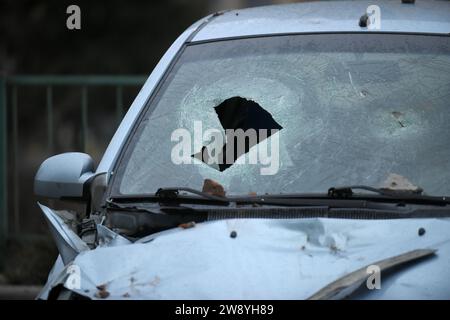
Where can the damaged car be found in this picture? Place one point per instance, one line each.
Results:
(293, 151)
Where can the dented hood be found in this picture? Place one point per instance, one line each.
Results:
(266, 259)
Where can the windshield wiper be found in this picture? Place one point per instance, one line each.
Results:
(173, 193)
(409, 196)
(167, 196)
(337, 197)
(348, 191)
(170, 196)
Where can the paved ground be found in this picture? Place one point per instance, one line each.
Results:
(11, 292)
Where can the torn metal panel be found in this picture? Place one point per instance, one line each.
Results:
(347, 284)
(67, 241)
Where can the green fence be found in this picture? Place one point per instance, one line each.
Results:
(9, 98)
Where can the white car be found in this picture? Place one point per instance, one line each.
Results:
(337, 192)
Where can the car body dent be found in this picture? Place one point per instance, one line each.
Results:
(268, 259)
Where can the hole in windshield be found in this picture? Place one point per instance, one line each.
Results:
(243, 120)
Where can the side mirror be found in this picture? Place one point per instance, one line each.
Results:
(64, 176)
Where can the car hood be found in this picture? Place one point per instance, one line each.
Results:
(263, 259)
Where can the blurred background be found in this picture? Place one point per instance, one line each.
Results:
(66, 90)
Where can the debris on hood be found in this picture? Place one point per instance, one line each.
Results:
(396, 182)
(156, 281)
(214, 188)
(187, 225)
(102, 292)
(254, 194)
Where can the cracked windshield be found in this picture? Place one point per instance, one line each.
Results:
(297, 113)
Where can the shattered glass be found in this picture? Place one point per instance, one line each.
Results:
(354, 109)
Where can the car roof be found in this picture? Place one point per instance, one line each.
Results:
(426, 16)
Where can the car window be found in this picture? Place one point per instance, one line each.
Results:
(345, 109)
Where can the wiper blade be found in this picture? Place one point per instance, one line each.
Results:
(348, 191)
(172, 193)
(111, 204)
(413, 196)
